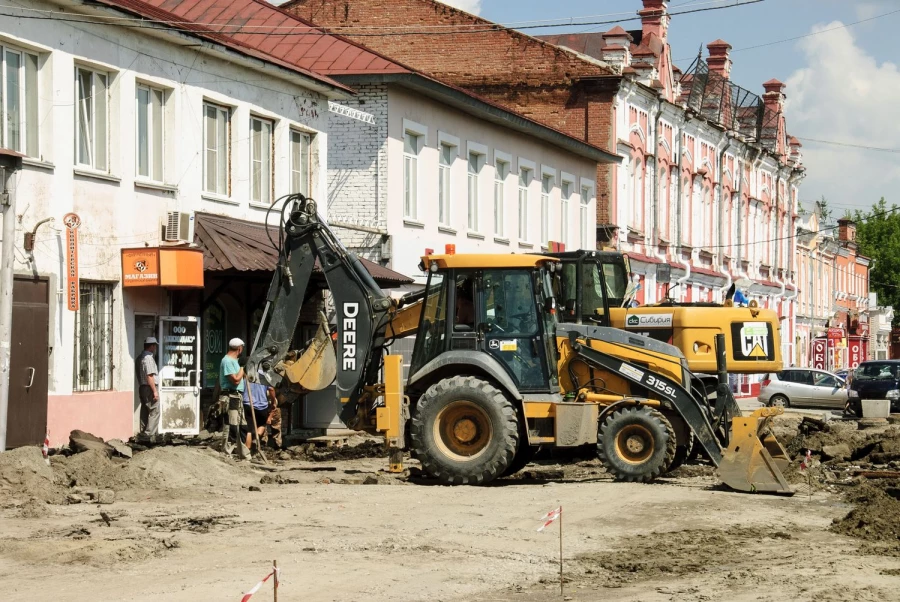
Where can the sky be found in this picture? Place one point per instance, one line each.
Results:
(842, 84)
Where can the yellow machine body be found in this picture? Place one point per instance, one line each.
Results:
(751, 334)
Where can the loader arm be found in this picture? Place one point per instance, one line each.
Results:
(362, 310)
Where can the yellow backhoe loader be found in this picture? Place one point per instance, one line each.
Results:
(494, 374)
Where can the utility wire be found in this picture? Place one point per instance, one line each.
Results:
(849, 145)
(807, 35)
(199, 29)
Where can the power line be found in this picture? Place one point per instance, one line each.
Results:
(188, 27)
(808, 35)
(849, 145)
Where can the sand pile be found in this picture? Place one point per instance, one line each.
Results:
(24, 475)
(158, 468)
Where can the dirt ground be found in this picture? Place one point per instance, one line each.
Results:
(184, 525)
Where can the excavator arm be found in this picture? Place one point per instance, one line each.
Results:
(363, 312)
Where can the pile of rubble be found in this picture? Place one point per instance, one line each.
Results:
(860, 460)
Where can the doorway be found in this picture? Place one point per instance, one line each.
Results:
(29, 362)
(144, 326)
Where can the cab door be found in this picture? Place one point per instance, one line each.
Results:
(511, 327)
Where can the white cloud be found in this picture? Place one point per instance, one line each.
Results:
(470, 6)
(843, 94)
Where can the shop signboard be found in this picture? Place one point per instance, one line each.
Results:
(820, 354)
(214, 339)
(73, 290)
(140, 267)
(179, 391)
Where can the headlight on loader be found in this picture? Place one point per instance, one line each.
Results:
(893, 394)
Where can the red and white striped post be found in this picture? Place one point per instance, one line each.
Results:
(548, 519)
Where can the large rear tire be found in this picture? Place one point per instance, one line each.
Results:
(682, 452)
(636, 444)
(464, 431)
(524, 455)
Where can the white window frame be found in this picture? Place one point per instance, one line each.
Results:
(587, 197)
(412, 169)
(473, 190)
(502, 169)
(222, 150)
(637, 193)
(156, 132)
(567, 184)
(28, 99)
(524, 199)
(96, 153)
(546, 202)
(445, 178)
(301, 162)
(262, 163)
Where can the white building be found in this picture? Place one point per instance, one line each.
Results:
(122, 123)
(439, 166)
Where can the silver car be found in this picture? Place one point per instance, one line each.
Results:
(803, 387)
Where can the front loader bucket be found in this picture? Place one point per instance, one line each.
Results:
(316, 367)
(752, 463)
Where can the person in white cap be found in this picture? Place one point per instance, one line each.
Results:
(231, 387)
(148, 392)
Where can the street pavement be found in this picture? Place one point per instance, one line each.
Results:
(748, 404)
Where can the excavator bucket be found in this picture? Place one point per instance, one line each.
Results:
(316, 367)
(754, 460)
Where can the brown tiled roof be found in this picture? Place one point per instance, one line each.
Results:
(231, 244)
(262, 30)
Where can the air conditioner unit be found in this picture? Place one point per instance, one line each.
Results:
(179, 227)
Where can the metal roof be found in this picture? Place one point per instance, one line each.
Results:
(263, 31)
(231, 244)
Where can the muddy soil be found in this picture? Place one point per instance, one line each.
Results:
(190, 524)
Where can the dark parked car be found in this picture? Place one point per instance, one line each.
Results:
(875, 380)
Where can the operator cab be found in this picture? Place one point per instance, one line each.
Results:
(504, 309)
(592, 282)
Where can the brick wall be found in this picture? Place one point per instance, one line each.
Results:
(531, 77)
(357, 171)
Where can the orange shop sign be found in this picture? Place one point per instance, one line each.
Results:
(140, 267)
(73, 290)
(174, 268)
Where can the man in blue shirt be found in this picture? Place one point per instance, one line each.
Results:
(231, 386)
(258, 413)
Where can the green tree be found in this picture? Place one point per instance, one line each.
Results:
(878, 237)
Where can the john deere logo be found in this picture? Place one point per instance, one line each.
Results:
(633, 321)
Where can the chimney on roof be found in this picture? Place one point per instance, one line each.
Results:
(617, 47)
(654, 18)
(718, 60)
(846, 230)
(774, 96)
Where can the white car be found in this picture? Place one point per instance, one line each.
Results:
(804, 387)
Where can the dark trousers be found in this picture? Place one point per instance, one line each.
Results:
(149, 411)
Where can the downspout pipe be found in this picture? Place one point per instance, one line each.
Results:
(677, 258)
(656, 217)
(722, 227)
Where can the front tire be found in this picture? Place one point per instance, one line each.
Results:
(464, 431)
(636, 444)
(779, 400)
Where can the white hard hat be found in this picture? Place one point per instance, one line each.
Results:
(235, 343)
(150, 341)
